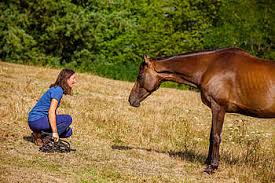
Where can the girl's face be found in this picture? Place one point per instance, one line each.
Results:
(71, 81)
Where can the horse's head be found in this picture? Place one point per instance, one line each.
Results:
(148, 81)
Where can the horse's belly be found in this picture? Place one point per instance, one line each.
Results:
(257, 113)
(254, 92)
(255, 103)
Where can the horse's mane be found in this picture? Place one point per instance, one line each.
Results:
(193, 53)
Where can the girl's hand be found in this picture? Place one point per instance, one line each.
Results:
(55, 137)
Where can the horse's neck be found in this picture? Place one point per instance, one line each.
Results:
(183, 69)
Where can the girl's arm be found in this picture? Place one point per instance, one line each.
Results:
(52, 119)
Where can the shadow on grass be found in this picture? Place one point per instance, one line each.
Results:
(28, 139)
(188, 155)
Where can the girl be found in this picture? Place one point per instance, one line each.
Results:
(43, 116)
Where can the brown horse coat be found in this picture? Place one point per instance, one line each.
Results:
(230, 80)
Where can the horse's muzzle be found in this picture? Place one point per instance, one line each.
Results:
(134, 102)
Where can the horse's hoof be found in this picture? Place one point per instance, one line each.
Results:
(209, 169)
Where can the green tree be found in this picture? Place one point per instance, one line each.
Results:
(109, 37)
(248, 24)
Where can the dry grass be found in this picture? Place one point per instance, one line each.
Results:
(165, 140)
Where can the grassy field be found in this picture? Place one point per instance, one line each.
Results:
(164, 140)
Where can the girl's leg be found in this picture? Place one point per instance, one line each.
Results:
(68, 132)
(40, 125)
(37, 127)
(63, 123)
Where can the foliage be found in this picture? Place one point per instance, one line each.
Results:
(247, 24)
(109, 37)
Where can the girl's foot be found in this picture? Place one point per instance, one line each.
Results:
(37, 138)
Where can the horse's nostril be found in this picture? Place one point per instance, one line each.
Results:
(134, 103)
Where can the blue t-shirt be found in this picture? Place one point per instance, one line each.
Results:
(41, 109)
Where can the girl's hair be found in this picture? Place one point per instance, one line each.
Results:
(61, 81)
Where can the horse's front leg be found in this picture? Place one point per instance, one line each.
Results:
(215, 137)
(211, 141)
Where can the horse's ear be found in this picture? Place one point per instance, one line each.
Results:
(146, 59)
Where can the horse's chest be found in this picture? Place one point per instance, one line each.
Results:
(218, 87)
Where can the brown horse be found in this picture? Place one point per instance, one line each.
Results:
(230, 81)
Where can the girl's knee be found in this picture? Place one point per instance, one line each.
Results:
(67, 119)
(67, 133)
(70, 119)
